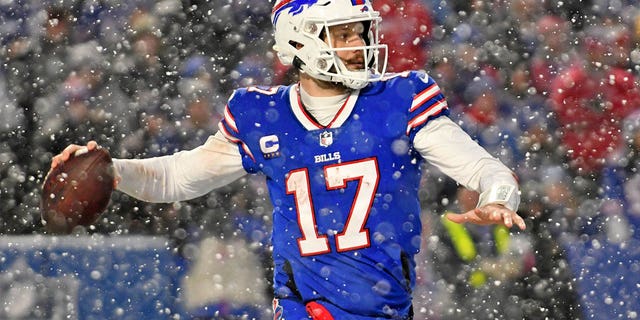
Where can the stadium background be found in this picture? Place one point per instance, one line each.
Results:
(147, 78)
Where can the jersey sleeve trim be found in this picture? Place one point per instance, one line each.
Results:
(228, 123)
(235, 140)
(435, 109)
(426, 95)
(229, 119)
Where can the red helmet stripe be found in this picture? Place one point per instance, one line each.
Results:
(280, 5)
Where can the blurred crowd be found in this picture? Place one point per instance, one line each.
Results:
(142, 78)
(549, 87)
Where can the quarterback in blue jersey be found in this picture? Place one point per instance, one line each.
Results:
(341, 151)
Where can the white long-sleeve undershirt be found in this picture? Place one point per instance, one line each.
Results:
(190, 174)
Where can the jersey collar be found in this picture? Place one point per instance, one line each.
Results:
(308, 122)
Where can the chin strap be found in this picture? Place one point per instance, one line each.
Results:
(352, 84)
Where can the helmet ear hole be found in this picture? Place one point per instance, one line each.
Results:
(296, 45)
(297, 63)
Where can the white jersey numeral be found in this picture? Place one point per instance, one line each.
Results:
(354, 235)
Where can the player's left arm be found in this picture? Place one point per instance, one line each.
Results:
(445, 145)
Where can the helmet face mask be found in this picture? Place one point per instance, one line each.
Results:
(302, 38)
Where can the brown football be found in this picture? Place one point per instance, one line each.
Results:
(77, 191)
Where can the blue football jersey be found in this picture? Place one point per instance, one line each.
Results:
(346, 219)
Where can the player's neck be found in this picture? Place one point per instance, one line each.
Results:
(323, 109)
(319, 88)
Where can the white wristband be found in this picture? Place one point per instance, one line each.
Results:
(504, 194)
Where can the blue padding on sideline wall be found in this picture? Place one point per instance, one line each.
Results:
(89, 277)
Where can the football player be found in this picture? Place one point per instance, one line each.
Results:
(341, 151)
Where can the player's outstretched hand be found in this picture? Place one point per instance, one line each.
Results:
(489, 214)
(68, 151)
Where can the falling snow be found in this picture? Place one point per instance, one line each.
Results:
(550, 88)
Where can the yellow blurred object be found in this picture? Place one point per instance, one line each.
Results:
(461, 239)
(465, 247)
(477, 278)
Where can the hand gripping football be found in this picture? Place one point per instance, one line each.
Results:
(77, 191)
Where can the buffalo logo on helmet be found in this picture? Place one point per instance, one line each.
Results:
(295, 7)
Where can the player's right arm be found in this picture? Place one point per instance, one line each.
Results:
(181, 176)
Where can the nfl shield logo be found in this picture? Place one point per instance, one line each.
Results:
(326, 139)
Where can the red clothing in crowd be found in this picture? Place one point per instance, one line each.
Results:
(589, 107)
(406, 29)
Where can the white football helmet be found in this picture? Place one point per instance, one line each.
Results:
(299, 26)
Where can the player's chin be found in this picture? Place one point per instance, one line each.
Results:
(355, 66)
